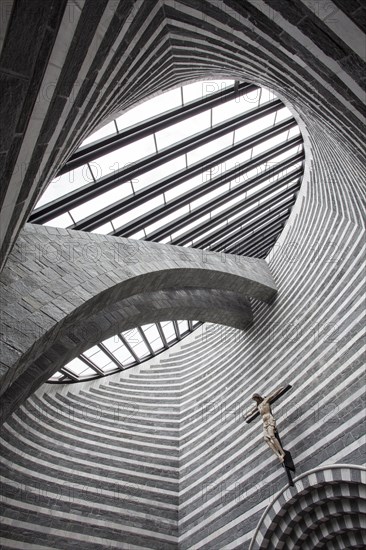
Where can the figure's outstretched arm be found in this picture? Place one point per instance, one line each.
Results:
(271, 397)
(251, 412)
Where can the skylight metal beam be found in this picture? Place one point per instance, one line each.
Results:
(236, 208)
(129, 348)
(177, 331)
(238, 234)
(150, 126)
(124, 205)
(92, 190)
(277, 219)
(162, 335)
(185, 219)
(265, 248)
(249, 247)
(201, 190)
(110, 355)
(252, 237)
(69, 374)
(92, 365)
(147, 343)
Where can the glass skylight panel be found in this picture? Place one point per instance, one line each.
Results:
(209, 149)
(253, 97)
(235, 162)
(270, 143)
(183, 326)
(140, 349)
(235, 107)
(188, 185)
(169, 331)
(248, 130)
(104, 229)
(190, 226)
(56, 376)
(61, 185)
(153, 336)
(209, 231)
(139, 235)
(91, 351)
(102, 201)
(229, 204)
(131, 336)
(99, 358)
(167, 219)
(138, 211)
(123, 157)
(202, 89)
(62, 221)
(283, 114)
(283, 156)
(107, 130)
(258, 170)
(210, 196)
(266, 96)
(76, 366)
(285, 172)
(123, 356)
(182, 130)
(110, 367)
(150, 108)
(295, 131)
(87, 372)
(112, 343)
(159, 173)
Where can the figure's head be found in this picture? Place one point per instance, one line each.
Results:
(257, 398)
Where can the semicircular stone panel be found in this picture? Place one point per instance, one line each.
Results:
(325, 509)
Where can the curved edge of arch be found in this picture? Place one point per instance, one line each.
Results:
(68, 340)
(322, 476)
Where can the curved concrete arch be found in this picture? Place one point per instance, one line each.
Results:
(325, 504)
(112, 284)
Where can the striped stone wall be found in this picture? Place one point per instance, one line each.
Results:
(94, 465)
(310, 337)
(160, 456)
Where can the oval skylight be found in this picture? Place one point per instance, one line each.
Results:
(124, 350)
(214, 165)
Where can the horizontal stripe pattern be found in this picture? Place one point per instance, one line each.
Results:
(161, 457)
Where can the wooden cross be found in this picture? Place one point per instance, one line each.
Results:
(270, 432)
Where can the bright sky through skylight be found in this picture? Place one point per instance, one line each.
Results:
(125, 350)
(113, 162)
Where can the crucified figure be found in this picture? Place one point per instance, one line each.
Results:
(269, 423)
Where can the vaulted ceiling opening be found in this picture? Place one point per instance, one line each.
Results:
(214, 165)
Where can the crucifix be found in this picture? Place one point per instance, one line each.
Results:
(270, 433)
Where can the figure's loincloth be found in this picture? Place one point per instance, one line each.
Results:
(269, 426)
